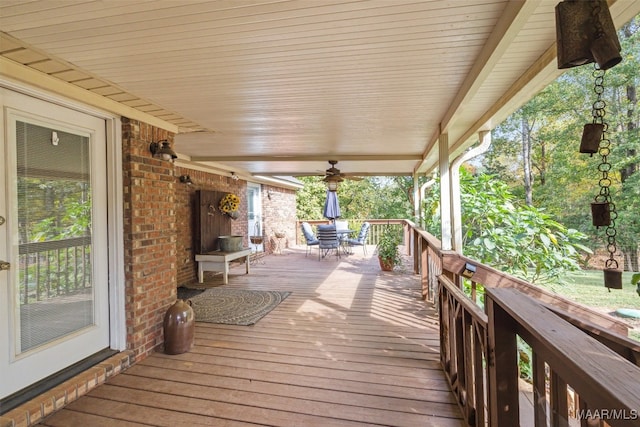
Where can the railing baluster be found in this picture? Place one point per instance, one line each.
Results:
(75, 267)
(467, 370)
(24, 260)
(539, 375)
(444, 332)
(43, 266)
(460, 355)
(559, 407)
(479, 372)
(424, 273)
(503, 367)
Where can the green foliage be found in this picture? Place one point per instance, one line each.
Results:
(635, 280)
(310, 198)
(525, 358)
(370, 197)
(59, 209)
(499, 230)
(388, 244)
(358, 198)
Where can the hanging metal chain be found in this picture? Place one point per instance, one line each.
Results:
(595, 19)
(599, 113)
(599, 105)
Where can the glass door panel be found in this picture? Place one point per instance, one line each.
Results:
(54, 230)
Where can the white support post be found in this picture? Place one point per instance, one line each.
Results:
(445, 192)
(417, 201)
(456, 208)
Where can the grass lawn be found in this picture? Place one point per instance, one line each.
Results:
(587, 287)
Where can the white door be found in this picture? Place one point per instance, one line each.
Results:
(53, 239)
(254, 214)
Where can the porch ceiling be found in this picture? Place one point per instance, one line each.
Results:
(280, 87)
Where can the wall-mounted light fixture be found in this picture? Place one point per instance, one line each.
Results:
(186, 179)
(162, 150)
(468, 271)
(234, 176)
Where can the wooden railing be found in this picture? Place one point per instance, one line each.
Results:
(376, 229)
(463, 343)
(603, 386)
(54, 268)
(585, 370)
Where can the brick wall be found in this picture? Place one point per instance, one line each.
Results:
(149, 236)
(279, 212)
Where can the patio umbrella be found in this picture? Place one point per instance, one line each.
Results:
(331, 206)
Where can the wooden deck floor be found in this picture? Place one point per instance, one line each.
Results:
(350, 346)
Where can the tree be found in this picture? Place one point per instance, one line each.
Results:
(501, 231)
(310, 198)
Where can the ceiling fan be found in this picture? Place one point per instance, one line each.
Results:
(333, 177)
(334, 173)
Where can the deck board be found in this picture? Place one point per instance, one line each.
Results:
(351, 345)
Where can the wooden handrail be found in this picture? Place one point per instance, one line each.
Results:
(491, 278)
(33, 247)
(603, 380)
(623, 345)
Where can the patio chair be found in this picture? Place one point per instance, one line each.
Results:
(341, 227)
(328, 238)
(309, 237)
(361, 240)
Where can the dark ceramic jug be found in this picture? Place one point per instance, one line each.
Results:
(179, 328)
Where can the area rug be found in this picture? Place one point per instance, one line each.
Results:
(235, 306)
(188, 293)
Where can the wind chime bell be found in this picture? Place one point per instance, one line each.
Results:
(585, 33)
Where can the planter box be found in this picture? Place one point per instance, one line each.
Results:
(230, 243)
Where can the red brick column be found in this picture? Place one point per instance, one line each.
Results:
(149, 236)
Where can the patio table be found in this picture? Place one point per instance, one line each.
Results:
(343, 236)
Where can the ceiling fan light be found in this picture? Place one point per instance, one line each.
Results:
(332, 182)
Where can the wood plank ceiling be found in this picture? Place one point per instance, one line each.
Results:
(280, 87)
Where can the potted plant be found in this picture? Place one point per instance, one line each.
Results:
(388, 253)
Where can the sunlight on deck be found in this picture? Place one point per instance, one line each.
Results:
(335, 295)
(317, 309)
(389, 302)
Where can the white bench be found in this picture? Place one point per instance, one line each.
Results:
(219, 261)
